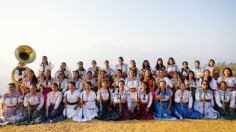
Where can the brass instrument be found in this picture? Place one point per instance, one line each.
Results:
(24, 54)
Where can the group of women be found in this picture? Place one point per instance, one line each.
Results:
(124, 92)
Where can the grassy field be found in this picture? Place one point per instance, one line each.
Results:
(128, 126)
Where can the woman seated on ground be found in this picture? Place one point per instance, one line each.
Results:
(120, 101)
(224, 102)
(145, 102)
(33, 103)
(71, 101)
(54, 106)
(204, 102)
(12, 104)
(184, 103)
(162, 109)
(104, 97)
(88, 110)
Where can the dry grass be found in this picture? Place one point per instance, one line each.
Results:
(129, 126)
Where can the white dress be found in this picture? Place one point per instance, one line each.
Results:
(10, 101)
(69, 110)
(89, 109)
(133, 100)
(208, 111)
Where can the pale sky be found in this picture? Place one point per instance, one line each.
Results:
(74, 30)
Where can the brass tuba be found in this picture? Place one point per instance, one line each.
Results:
(24, 54)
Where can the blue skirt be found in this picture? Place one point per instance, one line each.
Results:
(161, 111)
(185, 113)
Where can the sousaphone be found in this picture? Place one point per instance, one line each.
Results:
(24, 54)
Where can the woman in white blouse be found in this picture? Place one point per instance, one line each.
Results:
(72, 101)
(54, 106)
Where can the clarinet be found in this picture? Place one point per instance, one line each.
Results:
(66, 107)
(101, 100)
(190, 85)
(82, 100)
(203, 104)
(46, 111)
(120, 104)
(224, 102)
(181, 102)
(161, 103)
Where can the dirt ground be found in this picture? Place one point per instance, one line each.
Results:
(128, 126)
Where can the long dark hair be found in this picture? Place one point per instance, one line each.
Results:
(161, 66)
(135, 68)
(50, 77)
(209, 79)
(34, 79)
(169, 59)
(211, 60)
(150, 76)
(82, 68)
(187, 78)
(108, 90)
(143, 65)
(207, 83)
(147, 87)
(227, 68)
(46, 61)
